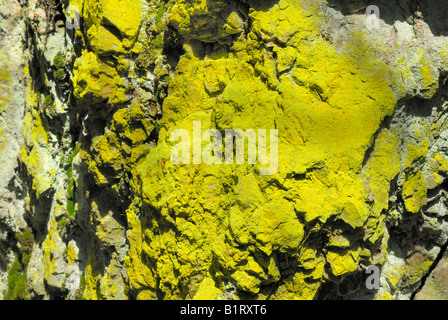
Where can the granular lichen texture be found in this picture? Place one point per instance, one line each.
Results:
(223, 149)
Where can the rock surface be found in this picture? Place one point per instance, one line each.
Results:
(92, 207)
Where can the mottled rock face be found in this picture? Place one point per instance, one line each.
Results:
(92, 205)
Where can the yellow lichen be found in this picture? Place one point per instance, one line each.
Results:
(383, 165)
(430, 80)
(326, 106)
(54, 253)
(95, 81)
(414, 192)
(437, 167)
(415, 151)
(193, 19)
(35, 153)
(343, 262)
(207, 290)
(72, 253)
(113, 25)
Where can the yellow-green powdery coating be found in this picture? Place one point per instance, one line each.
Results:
(224, 231)
(221, 222)
(34, 153)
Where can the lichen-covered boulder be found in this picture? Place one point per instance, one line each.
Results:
(112, 186)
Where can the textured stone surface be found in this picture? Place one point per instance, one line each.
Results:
(91, 207)
(14, 75)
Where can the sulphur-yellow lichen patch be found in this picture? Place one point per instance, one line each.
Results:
(430, 79)
(286, 57)
(326, 106)
(112, 26)
(343, 262)
(95, 81)
(72, 253)
(103, 41)
(207, 290)
(296, 287)
(383, 296)
(193, 19)
(414, 192)
(437, 167)
(91, 278)
(54, 256)
(383, 165)
(35, 153)
(414, 151)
